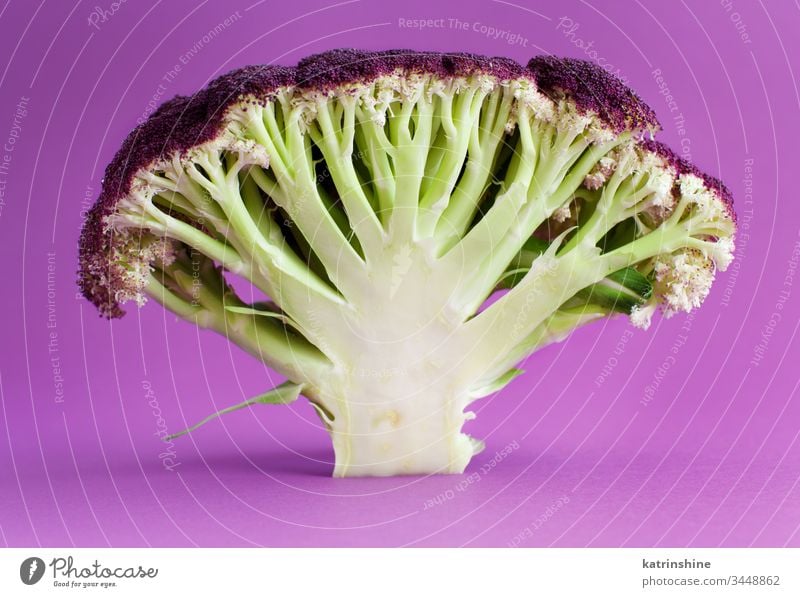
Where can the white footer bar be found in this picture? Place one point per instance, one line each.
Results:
(395, 572)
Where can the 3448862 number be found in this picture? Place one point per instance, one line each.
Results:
(756, 580)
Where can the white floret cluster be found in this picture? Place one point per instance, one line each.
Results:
(682, 280)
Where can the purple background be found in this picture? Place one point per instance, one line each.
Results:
(711, 460)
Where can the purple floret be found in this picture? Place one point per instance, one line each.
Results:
(682, 166)
(347, 66)
(187, 121)
(178, 125)
(593, 89)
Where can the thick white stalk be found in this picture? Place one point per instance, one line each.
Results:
(398, 394)
(398, 422)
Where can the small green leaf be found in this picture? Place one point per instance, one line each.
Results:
(631, 279)
(263, 313)
(535, 245)
(251, 311)
(496, 385)
(512, 277)
(531, 250)
(285, 393)
(620, 292)
(324, 414)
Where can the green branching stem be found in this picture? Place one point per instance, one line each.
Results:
(506, 227)
(484, 145)
(549, 283)
(199, 294)
(335, 139)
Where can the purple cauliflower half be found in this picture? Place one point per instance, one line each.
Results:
(412, 225)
